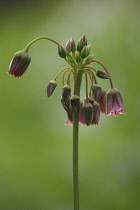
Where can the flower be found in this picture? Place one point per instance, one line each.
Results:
(19, 63)
(66, 90)
(114, 102)
(96, 113)
(102, 102)
(86, 113)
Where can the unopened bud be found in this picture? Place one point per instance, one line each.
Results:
(97, 91)
(90, 57)
(102, 74)
(88, 49)
(75, 103)
(84, 39)
(80, 45)
(77, 57)
(84, 52)
(19, 63)
(51, 87)
(87, 113)
(61, 51)
(73, 45)
(68, 46)
(66, 92)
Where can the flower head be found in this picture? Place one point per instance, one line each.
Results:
(114, 102)
(19, 63)
(79, 60)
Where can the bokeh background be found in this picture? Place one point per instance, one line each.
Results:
(35, 145)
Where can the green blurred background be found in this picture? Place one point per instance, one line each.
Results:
(35, 145)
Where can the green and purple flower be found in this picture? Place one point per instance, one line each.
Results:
(19, 63)
(114, 102)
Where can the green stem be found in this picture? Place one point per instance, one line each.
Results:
(41, 37)
(96, 61)
(78, 78)
(86, 85)
(61, 72)
(75, 161)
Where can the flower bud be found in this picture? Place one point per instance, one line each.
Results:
(102, 74)
(77, 57)
(75, 103)
(61, 51)
(87, 113)
(80, 44)
(19, 63)
(88, 49)
(51, 87)
(68, 46)
(90, 57)
(96, 115)
(102, 101)
(84, 52)
(66, 92)
(84, 39)
(97, 90)
(114, 102)
(73, 45)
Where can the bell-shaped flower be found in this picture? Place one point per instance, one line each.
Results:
(87, 113)
(114, 102)
(96, 113)
(19, 63)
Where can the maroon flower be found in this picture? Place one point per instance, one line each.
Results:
(86, 113)
(114, 102)
(96, 113)
(19, 63)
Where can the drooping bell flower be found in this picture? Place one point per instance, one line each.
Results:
(96, 113)
(19, 63)
(66, 90)
(114, 102)
(75, 103)
(87, 113)
(97, 91)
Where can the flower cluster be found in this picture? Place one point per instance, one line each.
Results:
(96, 100)
(79, 58)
